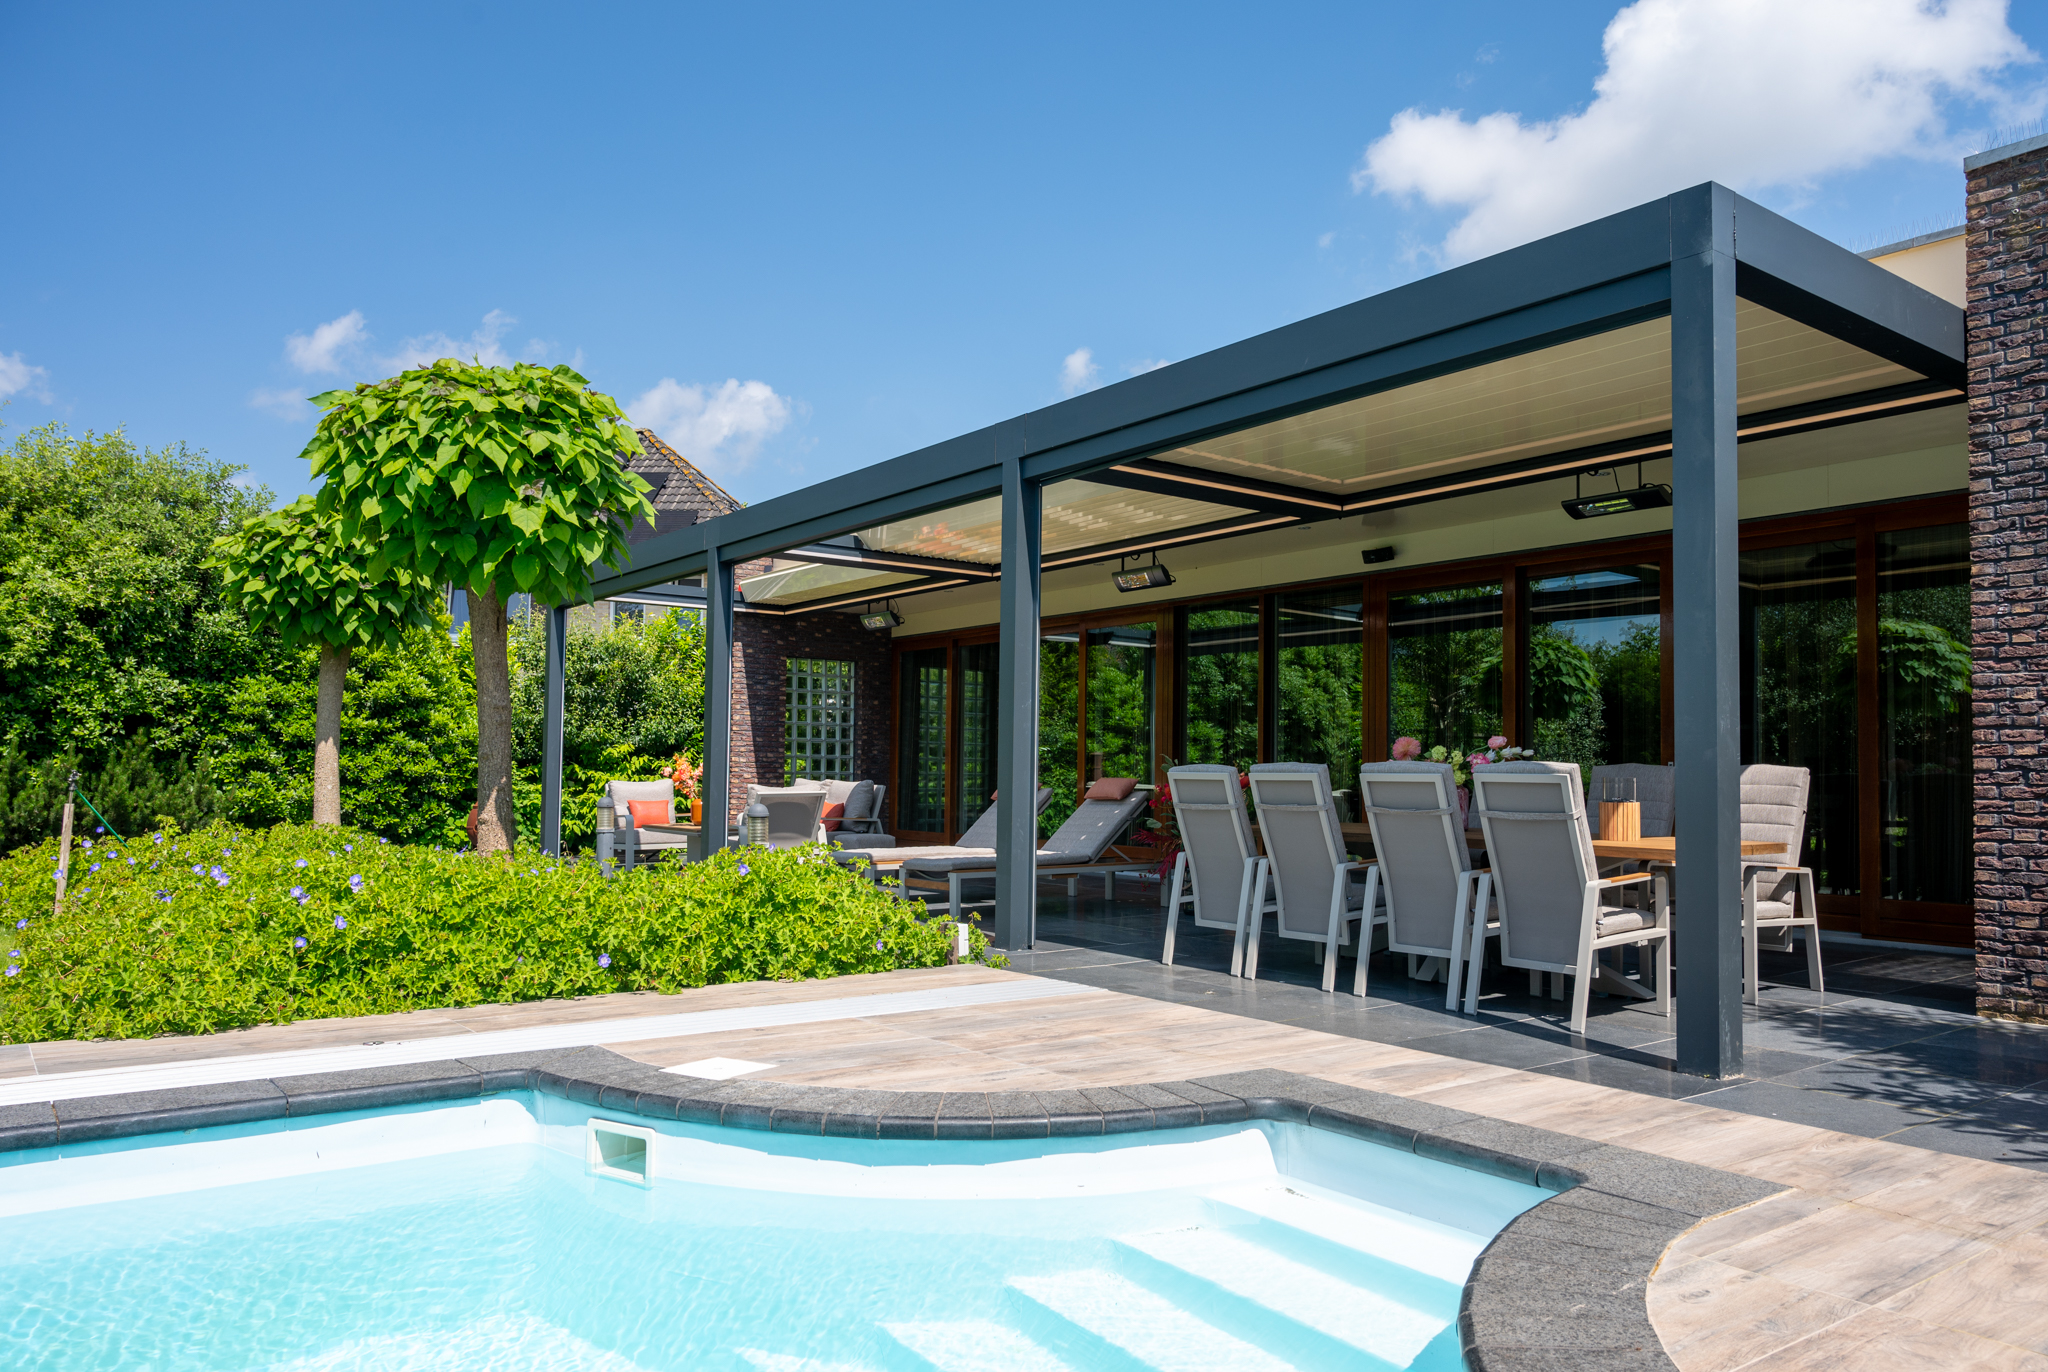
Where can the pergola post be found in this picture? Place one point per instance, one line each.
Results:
(1706, 651)
(717, 783)
(1017, 715)
(551, 730)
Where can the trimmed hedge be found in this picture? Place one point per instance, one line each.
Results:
(223, 927)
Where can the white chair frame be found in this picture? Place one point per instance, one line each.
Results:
(1186, 889)
(1340, 880)
(1381, 880)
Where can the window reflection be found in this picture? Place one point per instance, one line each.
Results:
(1220, 683)
(977, 742)
(1317, 683)
(1059, 726)
(1596, 674)
(921, 747)
(1121, 681)
(1799, 705)
(1923, 634)
(1443, 665)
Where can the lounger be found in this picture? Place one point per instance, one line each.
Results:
(1075, 848)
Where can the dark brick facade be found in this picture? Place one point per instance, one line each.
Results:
(761, 644)
(2008, 368)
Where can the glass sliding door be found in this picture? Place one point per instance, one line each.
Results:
(1595, 653)
(1220, 683)
(1319, 681)
(1799, 689)
(1122, 682)
(975, 742)
(1059, 725)
(1923, 634)
(921, 706)
(1443, 665)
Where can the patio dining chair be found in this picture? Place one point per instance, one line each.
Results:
(1218, 859)
(1777, 894)
(1556, 912)
(1424, 869)
(1315, 884)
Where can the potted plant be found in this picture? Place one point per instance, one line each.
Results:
(688, 775)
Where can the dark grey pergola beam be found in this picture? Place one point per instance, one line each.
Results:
(1690, 256)
(828, 555)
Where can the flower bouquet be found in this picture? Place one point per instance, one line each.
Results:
(1497, 749)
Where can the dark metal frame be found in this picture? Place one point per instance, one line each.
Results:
(1678, 256)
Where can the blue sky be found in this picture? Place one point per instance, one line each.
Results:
(802, 239)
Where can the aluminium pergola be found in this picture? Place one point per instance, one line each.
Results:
(1694, 262)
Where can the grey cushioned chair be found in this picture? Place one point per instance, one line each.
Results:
(862, 830)
(631, 839)
(1777, 893)
(1424, 872)
(1557, 913)
(792, 813)
(1218, 859)
(1317, 895)
(1077, 844)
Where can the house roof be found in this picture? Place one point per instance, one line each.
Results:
(682, 494)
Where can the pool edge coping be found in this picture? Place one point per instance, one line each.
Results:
(1564, 1284)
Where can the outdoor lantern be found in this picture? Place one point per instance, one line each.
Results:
(757, 823)
(1141, 578)
(1617, 501)
(604, 831)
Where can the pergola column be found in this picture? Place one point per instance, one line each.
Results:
(1706, 649)
(717, 781)
(551, 730)
(1017, 715)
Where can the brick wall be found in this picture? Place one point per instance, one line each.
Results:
(2008, 368)
(761, 645)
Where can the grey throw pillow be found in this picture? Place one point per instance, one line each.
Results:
(860, 801)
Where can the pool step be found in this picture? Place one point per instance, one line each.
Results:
(1436, 1250)
(975, 1346)
(1141, 1323)
(1358, 1317)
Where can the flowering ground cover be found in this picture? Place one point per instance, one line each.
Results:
(223, 927)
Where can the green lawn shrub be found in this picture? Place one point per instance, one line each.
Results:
(223, 927)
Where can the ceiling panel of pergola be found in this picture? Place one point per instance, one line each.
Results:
(1602, 389)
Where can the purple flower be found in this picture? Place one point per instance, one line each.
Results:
(340, 923)
(348, 847)
(21, 924)
(197, 870)
(299, 942)
(12, 970)
(15, 954)
(744, 869)
(164, 896)
(383, 840)
(94, 868)
(158, 838)
(603, 959)
(300, 863)
(878, 945)
(298, 894)
(99, 829)
(355, 883)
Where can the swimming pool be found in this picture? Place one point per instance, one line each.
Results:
(476, 1235)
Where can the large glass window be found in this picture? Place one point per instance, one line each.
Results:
(1923, 632)
(817, 719)
(1319, 679)
(1220, 683)
(977, 729)
(1799, 698)
(1122, 676)
(1443, 665)
(921, 742)
(1059, 726)
(1594, 687)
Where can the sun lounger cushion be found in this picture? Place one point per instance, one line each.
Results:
(1111, 788)
(1083, 839)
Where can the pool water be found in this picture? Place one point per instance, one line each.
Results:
(1178, 1251)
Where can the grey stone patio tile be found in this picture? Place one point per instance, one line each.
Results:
(1684, 1187)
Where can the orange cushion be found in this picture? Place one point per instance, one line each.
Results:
(651, 812)
(1112, 788)
(831, 815)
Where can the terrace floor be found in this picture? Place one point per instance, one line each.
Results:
(1879, 1255)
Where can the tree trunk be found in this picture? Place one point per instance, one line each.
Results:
(497, 825)
(327, 736)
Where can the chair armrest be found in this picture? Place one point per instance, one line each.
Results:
(1629, 879)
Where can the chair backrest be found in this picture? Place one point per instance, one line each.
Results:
(792, 813)
(1419, 841)
(623, 791)
(1541, 852)
(1774, 810)
(1216, 834)
(1654, 787)
(1094, 825)
(1298, 820)
(982, 833)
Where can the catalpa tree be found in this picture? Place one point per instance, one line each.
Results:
(294, 570)
(500, 480)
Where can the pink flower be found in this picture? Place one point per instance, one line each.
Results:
(1479, 760)
(1497, 741)
(1407, 749)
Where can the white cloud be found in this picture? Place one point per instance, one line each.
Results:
(1755, 94)
(324, 349)
(288, 403)
(1150, 364)
(486, 345)
(719, 428)
(1078, 372)
(17, 377)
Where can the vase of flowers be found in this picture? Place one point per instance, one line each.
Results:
(1461, 763)
(688, 775)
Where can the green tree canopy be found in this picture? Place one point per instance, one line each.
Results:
(292, 571)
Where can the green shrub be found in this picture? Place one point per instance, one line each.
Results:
(132, 786)
(192, 932)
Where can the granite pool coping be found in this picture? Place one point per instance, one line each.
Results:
(1563, 1285)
